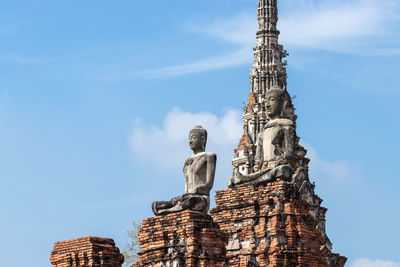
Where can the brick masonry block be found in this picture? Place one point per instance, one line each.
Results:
(271, 225)
(187, 238)
(86, 252)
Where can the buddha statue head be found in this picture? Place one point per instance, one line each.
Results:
(275, 102)
(198, 139)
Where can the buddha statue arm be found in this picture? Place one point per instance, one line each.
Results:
(259, 148)
(211, 164)
(187, 164)
(289, 135)
(210, 173)
(186, 185)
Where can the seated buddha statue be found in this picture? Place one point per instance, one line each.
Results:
(199, 171)
(275, 144)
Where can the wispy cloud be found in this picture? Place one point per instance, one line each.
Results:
(167, 145)
(331, 172)
(4, 94)
(28, 60)
(359, 27)
(374, 263)
(236, 58)
(366, 27)
(239, 29)
(12, 28)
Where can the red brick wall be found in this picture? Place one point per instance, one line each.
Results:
(269, 224)
(187, 238)
(86, 252)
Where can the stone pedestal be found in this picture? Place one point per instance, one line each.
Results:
(86, 252)
(275, 224)
(183, 239)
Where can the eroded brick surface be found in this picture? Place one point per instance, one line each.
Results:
(271, 225)
(86, 252)
(185, 238)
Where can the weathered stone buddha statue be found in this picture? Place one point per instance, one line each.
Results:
(275, 144)
(199, 171)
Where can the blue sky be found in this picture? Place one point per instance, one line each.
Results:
(97, 97)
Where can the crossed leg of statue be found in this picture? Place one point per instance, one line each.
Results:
(193, 202)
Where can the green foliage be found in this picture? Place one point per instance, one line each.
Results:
(132, 247)
(285, 53)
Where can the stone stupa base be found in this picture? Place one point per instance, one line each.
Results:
(269, 225)
(182, 239)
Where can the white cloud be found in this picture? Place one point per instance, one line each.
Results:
(333, 172)
(12, 28)
(336, 25)
(236, 58)
(343, 26)
(4, 94)
(23, 60)
(239, 29)
(366, 27)
(167, 146)
(374, 263)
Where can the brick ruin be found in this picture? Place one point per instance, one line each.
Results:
(86, 252)
(187, 238)
(278, 222)
(275, 223)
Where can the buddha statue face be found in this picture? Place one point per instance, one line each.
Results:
(274, 103)
(198, 139)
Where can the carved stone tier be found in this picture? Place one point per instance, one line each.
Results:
(182, 239)
(270, 225)
(86, 252)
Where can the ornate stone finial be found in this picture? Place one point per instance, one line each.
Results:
(268, 53)
(267, 14)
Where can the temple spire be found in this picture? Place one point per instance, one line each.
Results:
(268, 71)
(267, 14)
(267, 52)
